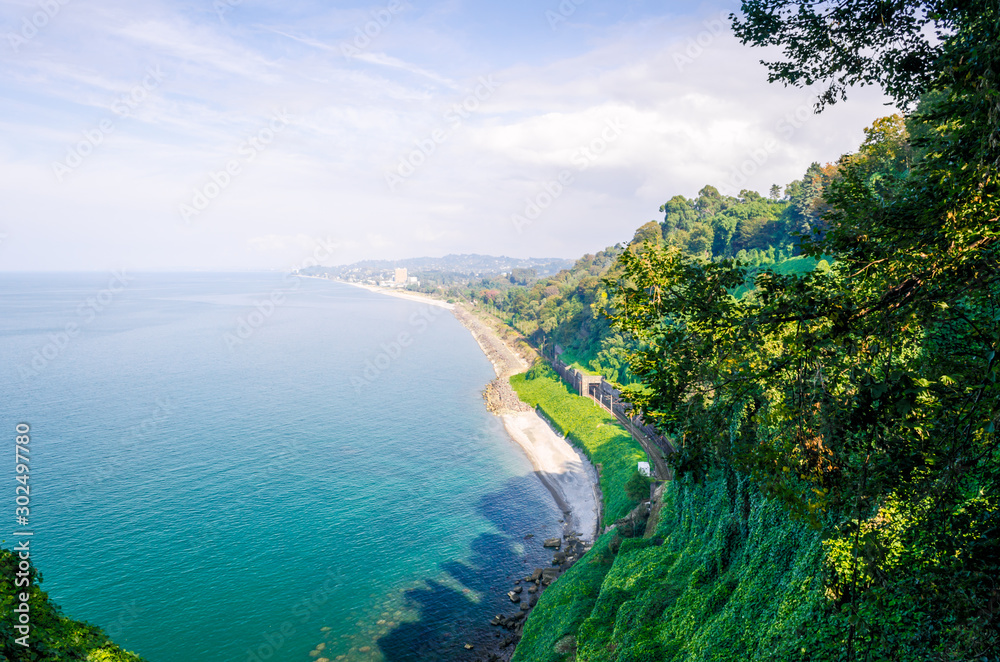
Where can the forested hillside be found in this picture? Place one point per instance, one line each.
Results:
(836, 492)
(566, 309)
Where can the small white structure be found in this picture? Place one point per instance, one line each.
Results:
(644, 469)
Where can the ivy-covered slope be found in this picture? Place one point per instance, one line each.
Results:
(723, 574)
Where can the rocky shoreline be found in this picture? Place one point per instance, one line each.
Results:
(564, 557)
(498, 344)
(567, 474)
(525, 592)
(501, 399)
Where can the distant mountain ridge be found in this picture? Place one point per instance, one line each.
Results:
(466, 264)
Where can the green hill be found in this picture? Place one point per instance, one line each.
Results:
(833, 401)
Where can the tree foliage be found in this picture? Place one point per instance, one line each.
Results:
(895, 44)
(637, 487)
(53, 636)
(855, 385)
(863, 396)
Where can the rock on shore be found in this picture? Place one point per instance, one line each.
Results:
(501, 399)
(538, 580)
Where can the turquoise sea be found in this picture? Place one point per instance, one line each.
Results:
(236, 467)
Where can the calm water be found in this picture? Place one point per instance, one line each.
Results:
(219, 478)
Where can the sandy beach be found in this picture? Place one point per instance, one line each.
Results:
(400, 294)
(564, 471)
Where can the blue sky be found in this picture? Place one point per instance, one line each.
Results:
(243, 134)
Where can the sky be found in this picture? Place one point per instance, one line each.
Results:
(251, 134)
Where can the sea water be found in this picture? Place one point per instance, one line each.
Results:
(262, 467)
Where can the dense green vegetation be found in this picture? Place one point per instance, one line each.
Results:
(53, 636)
(725, 576)
(596, 432)
(720, 554)
(566, 309)
(836, 416)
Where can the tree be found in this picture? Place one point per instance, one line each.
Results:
(53, 635)
(637, 487)
(752, 233)
(678, 214)
(523, 276)
(700, 239)
(710, 201)
(887, 146)
(895, 44)
(864, 396)
(648, 232)
(808, 199)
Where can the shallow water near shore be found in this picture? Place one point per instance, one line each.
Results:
(256, 467)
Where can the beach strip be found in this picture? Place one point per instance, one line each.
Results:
(565, 472)
(399, 294)
(562, 469)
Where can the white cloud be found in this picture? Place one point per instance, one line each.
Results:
(688, 116)
(281, 243)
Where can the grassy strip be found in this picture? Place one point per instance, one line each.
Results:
(596, 432)
(550, 633)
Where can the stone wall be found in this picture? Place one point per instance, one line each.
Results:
(605, 394)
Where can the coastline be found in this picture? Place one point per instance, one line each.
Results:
(568, 476)
(563, 470)
(572, 485)
(410, 296)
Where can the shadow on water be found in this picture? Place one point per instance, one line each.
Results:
(448, 618)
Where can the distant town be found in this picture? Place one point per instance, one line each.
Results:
(450, 275)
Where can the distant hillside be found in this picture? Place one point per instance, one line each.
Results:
(467, 265)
